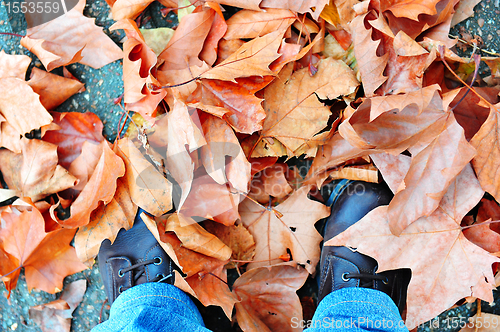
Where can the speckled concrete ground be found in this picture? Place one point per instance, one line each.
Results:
(103, 86)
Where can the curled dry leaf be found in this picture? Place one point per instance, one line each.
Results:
(195, 237)
(101, 186)
(138, 61)
(35, 172)
(71, 38)
(183, 138)
(289, 226)
(457, 269)
(47, 258)
(268, 298)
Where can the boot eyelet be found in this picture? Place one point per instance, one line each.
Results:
(160, 275)
(385, 281)
(345, 277)
(159, 260)
(120, 273)
(120, 289)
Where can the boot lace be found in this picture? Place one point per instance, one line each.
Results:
(366, 279)
(140, 269)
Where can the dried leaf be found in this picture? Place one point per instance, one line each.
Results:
(148, 188)
(47, 258)
(74, 129)
(56, 316)
(195, 237)
(250, 23)
(268, 298)
(35, 172)
(105, 223)
(53, 89)
(294, 113)
(485, 163)
(251, 59)
(445, 265)
(290, 226)
(71, 38)
(21, 107)
(100, 187)
(429, 176)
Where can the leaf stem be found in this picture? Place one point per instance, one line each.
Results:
(17, 268)
(12, 34)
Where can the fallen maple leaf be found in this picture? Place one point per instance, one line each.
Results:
(235, 102)
(218, 29)
(47, 258)
(445, 265)
(294, 113)
(268, 298)
(138, 61)
(371, 66)
(206, 275)
(35, 172)
(56, 316)
(71, 38)
(183, 138)
(289, 226)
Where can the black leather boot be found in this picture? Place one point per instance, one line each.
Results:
(340, 267)
(134, 258)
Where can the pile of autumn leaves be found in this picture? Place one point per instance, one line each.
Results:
(248, 91)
